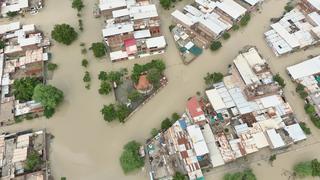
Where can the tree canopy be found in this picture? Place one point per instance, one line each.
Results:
(64, 33)
(179, 176)
(165, 3)
(49, 96)
(138, 69)
(279, 80)
(23, 88)
(33, 161)
(154, 76)
(109, 112)
(77, 4)
(215, 45)
(2, 44)
(130, 159)
(212, 78)
(105, 88)
(244, 175)
(99, 50)
(134, 96)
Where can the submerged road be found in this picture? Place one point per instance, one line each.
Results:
(87, 148)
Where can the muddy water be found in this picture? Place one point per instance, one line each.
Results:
(85, 147)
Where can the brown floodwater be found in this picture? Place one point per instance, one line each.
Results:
(87, 148)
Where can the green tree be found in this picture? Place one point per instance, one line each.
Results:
(49, 96)
(213, 78)
(215, 45)
(154, 132)
(304, 127)
(64, 33)
(279, 80)
(303, 169)
(175, 117)
(122, 112)
(105, 88)
(166, 124)
(12, 14)
(52, 66)
(103, 76)
(98, 49)
(288, 7)
(86, 77)
(33, 161)
(154, 76)
(48, 112)
(244, 175)
(179, 176)
(309, 109)
(2, 44)
(115, 76)
(272, 158)
(130, 159)
(235, 27)
(134, 96)
(226, 36)
(245, 19)
(165, 3)
(23, 88)
(109, 112)
(84, 63)
(77, 4)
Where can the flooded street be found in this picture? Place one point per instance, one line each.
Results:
(85, 147)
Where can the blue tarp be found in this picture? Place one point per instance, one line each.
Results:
(183, 124)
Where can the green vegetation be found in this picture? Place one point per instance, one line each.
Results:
(84, 63)
(304, 127)
(86, 77)
(33, 161)
(166, 3)
(139, 69)
(171, 27)
(226, 36)
(2, 44)
(301, 91)
(272, 158)
(64, 33)
(311, 111)
(80, 24)
(175, 117)
(235, 27)
(166, 124)
(179, 176)
(154, 76)
(23, 89)
(78, 5)
(112, 112)
(308, 168)
(244, 175)
(99, 50)
(49, 96)
(48, 112)
(130, 159)
(52, 66)
(215, 45)
(279, 80)
(105, 88)
(245, 19)
(11, 14)
(212, 78)
(154, 132)
(288, 7)
(63, 178)
(134, 96)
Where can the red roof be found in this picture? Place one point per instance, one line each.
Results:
(129, 42)
(143, 83)
(194, 107)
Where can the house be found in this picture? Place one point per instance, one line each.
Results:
(194, 110)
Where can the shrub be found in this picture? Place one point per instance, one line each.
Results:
(98, 49)
(288, 7)
(244, 175)
(84, 63)
(215, 45)
(52, 66)
(86, 77)
(226, 36)
(213, 78)
(154, 132)
(179, 176)
(12, 14)
(130, 159)
(310, 109)
(235, 27)
(304, 127)
(64, 33)
(165, 3)
(166, 124)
